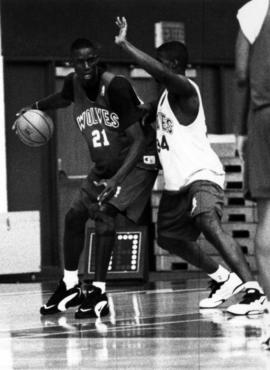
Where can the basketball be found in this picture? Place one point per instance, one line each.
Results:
(34, 127)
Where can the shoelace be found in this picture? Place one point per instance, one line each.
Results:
(214, 286)
(250, 296)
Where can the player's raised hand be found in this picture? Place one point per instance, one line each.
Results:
(121, 23)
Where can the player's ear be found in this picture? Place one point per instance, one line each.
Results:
(175, 63)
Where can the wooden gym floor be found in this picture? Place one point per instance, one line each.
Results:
(153, 326)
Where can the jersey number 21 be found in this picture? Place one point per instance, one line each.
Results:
(99, 138)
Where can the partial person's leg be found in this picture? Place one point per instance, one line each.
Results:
(262, 252)
(262, 244)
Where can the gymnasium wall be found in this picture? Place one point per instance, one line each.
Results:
(45, 28)
(30, 171)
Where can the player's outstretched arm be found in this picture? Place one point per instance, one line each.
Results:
(176, 84)
(50, 102)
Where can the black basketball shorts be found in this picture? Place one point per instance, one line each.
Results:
(177, 209)
(131, 201)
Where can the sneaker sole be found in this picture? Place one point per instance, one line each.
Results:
(251, 312)
(248, 313)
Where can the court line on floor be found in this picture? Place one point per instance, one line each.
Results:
(93, 321)
(116, 329)
(125, 292)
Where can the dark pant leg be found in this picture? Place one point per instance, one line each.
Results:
(104, 241)
(74, 237)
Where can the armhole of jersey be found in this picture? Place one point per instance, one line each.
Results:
(106, 79)
(161, 99)
(196, 87)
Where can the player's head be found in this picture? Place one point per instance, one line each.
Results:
(84, 58)
(174, 55)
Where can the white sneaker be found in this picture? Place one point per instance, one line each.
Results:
(253, 303)
(220, 292)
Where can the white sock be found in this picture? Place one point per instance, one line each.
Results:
(70, 278)
(253, 285)
(220, 275)
(101, 285)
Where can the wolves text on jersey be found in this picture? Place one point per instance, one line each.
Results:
(95, 116)
(164, 123)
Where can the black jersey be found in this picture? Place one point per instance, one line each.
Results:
(102, 114)
(103, 121)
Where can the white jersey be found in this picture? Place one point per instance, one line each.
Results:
(184, 151)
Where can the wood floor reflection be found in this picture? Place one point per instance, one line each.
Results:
(152, 326)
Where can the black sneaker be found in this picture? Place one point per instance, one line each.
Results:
(95, 304)
(62, 299)
(254, 302)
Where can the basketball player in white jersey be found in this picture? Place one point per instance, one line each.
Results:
(193, 195)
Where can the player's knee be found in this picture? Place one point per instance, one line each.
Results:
(75, 221)
(105, 225)
(208, 222)
(105, 220)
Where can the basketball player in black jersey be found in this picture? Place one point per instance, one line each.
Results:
(107, 114)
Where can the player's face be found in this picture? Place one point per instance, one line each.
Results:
(162, 58)
(85, 63)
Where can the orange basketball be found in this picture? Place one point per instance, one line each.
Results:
(34, 127)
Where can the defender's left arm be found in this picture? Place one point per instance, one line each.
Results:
(176, 84)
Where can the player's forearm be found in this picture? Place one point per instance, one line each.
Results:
(51, 102)
(134, 154)
(151, 65)
(176, 84)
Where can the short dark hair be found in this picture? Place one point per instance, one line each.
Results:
(175, 50)
(81, 43)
